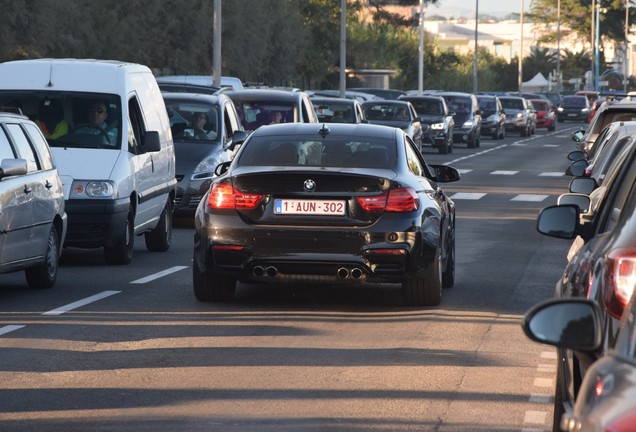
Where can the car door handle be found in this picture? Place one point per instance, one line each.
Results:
(48, 185)
(27, 190)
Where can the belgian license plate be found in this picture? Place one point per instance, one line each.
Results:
(571, 115)
(309, 207)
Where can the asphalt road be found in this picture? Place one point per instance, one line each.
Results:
(128, 348)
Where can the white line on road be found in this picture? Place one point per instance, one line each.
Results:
(9, 328)
(159, 275)
(80, 303)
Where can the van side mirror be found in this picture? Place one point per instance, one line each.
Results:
(151, 143)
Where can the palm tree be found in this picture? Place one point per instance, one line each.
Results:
(540, 60)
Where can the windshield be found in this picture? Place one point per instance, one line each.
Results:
(336, 112)
(192, 121)
(255, 114)
(71, 119)
(341, 152)
(512, 104)
(424, 107)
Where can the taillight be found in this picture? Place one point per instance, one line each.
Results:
(619, 280)
(225, 196)
(396, 201)
(402, 200)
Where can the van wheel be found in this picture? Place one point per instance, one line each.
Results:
(122, 252)
(160, 238)
(43, 276)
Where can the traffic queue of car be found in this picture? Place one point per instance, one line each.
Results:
(591, 319)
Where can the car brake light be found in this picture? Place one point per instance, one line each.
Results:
(620, 280)
(398, 201)
(225, 196)
(402, 200)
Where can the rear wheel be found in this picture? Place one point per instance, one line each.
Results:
(559, 393)
(424, 291)
(122, 252)
(210, 287)
(43, 276)
(160, 238)
(448, 277)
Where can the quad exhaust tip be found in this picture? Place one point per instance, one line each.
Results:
(259, 271)
(344, 273)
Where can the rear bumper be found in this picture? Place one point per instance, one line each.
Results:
(279, 255)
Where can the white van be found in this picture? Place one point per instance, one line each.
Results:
(108, 129)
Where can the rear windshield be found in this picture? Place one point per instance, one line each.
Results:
(513, 104)
(339, 152)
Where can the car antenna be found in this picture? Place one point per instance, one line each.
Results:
(324, 130)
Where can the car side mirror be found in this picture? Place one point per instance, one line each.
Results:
(13, 167)
(445, 173)
(580, 200)
(238, 138)
(578, 135)
(452, 113)
(576, 155)
(577, 168)
(222, 168)
(559, 221)
(582, 185)
(152, 143)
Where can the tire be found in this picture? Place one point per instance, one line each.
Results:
(43, 276)
(160, 238)
(210, 287)
(450, 146)
(495, 135)
(424, 291)
(478, 142)
(551, 128)
(525, 132)
(448, 276)
(559, 393)
(443, 149)
(122, 252)
(503, 132)
(472, 144)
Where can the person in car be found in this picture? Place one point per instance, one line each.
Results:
(97, 115)
(198, 124)
(51, 119)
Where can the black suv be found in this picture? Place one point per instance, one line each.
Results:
(433, 111)
(608, 112)
(467, 117)
(33, 222)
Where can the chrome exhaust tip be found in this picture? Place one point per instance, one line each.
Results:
(342, 273)
(271, 271)
(258, 271)
(356, 273)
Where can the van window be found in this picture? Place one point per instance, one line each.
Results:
(136, 120)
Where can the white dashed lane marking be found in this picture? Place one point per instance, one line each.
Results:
(158, 275)
(80, 303)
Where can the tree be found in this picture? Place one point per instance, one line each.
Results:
(540, 60)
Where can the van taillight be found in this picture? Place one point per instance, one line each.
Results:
(619, 280)
(396, 201)
(225, 196)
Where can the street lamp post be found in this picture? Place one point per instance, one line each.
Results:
(558, 60)
(520, 79)
(420, 69)
(475, 57)
(596, 45)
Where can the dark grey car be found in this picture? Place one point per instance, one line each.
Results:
(198, 152)
(32, 217)
(434, 113)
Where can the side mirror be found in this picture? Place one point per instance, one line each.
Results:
(582, 185)
(577, 168)
(580, 200)
(445, 173)
(222, 168)
(238, 138)
(12, 167)
(559, 221)
(572, 323)
(152, 143)
(576, 155)
(452, 113)
(578, 135)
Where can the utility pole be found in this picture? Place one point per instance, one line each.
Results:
(343, 48)
(521, 51)
(216, 46)
(558, 65)
(596, 47)
(420, 68)
(475, 56)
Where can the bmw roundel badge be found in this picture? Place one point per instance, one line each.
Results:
(309, 185)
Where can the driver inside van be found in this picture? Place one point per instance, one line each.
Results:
(97, 115)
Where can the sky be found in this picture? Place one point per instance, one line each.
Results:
(466, 8)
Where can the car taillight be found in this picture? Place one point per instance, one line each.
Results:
(619, 280)
(402, 200)
(396, 201)
(225, 196)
